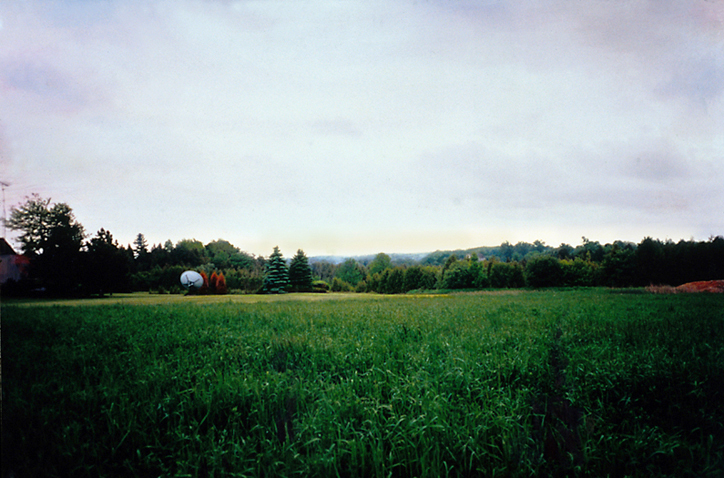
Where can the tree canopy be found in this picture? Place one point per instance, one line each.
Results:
(351, 272)
(381, 262)
(108, 264)
(52, 239)
(43, 226)
(62, 262)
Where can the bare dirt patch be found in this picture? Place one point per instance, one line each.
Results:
(703, 286)
(716, 286)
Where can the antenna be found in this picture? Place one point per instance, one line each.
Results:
(4, 185)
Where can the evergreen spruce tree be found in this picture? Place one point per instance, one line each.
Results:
(300, 274)
(276, 280)
(140, 245)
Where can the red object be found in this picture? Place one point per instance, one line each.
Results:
(703, 286)
(221, 284)
(204, 288)
(212, 282)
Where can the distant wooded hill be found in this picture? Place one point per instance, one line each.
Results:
(365, 260)
(504, 252)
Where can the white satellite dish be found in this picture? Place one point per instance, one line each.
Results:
(192, 280)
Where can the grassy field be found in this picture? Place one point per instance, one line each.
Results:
(145, 298)
(531, 383)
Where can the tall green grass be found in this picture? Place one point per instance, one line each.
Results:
(588, 383)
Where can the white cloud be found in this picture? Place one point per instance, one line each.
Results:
(367, 125)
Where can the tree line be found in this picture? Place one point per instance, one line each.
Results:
(65, 262)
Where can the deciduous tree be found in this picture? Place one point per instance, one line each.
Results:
(381, 262)
(544, 271)
(351, 272)
(52, 239)
(188, 252)
(323, 270)
(506, 275)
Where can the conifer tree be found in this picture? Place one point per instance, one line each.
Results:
(205, 287)
(276, 280)
(221, 284)
(212, 282)
(300, 274)
(140, 245)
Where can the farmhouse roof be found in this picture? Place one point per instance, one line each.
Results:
(5, 249)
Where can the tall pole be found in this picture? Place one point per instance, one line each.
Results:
(4, 185)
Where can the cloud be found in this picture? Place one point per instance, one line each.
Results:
(336, 127)
(43, 86)
(668, 46)
(701, 81)
(256, 120)
(658, 166)
(647, 176)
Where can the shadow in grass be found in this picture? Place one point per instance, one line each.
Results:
(556, 421)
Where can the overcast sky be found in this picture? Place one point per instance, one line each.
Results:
(358, 126)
